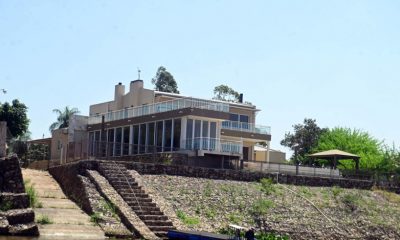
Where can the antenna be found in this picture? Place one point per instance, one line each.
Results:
(138, 70)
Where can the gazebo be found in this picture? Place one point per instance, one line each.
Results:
(335, 155)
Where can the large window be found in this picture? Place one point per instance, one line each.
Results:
(205, 138)
(177, 134)
(168, 135)
(110, 142)
(159, 136)
(150, 137)
(125, 142)
(189, 134)
(118, 139)
(135, 139)
(197, 128)
(142, 138)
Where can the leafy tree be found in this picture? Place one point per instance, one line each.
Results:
(164, 81)
(15, 116)
(304, 138)
(225, 93)
(63, 118)
(353, 141)
(391, 159)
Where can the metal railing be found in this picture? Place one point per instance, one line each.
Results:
(213, 145)
(160, 107)
(246, 127)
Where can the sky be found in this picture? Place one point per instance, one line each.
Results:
(334, 61)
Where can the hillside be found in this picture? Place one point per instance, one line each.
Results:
(299, 211)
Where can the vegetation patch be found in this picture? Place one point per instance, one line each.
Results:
(187, 220)
(32, 195)
(44, 219)
(96, 217)
(5, 206)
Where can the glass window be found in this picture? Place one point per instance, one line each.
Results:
(110, 142)
(125, 146)
(234, 117)
(168, 135)
(205, 138)
(135, 139)
(159, 135)
(177, 134)
(213, 136)
(142, 138)
(244, 118)
(91, 144)
(150, 137)
(197, 128)
(118, 139)
(189, 134)
(96, 142)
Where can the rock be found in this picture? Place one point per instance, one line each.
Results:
(30, 229)
(20, 216)
(3, 225)
(16, 200)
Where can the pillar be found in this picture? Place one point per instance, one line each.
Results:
(3, 137)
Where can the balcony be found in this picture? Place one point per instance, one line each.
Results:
(160, 107)
(246, 127)
(213, 145)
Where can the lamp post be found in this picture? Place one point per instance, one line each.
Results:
(296, 158)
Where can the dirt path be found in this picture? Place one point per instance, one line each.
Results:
(68, 221)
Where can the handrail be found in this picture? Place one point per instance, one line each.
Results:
(246, 127)
(213, 144)
(127, 181)
(159, 107)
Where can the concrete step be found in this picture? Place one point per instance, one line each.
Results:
(128, 192)
(159, 228)
(16, 200)
(20, 216)
(158, 223)
(148, 213)
(153, 217)
(29, 229)
(141, 204)
(69, 232)
(134, 198)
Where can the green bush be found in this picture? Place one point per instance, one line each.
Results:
(44, 219)
(351, 201)
(270, 236)
(95, 217)
(187, 219)
(267, 186)
(261, 207)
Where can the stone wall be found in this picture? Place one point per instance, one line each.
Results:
(227, 174)
(15, 216)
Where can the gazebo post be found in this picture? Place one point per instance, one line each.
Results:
(357, 163)
(334, 162)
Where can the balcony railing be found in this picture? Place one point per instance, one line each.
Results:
(213, 145)
(160, 107)
(246, 127)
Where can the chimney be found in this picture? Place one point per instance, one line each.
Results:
(241, 98)
(136, 86)
(119, 95)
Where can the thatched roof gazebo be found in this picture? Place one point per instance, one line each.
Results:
(335, 155)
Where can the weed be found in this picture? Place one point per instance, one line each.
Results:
(267, 186)
(351, 201)
(210, 213)
(207, 190)
(95, 217)
(110, 207)
(44, 219)
(5, 206)
(186, 219)
(336, 191)
(271, 236)
(32, 195)
(306, 191)
(234, 218)
(261, 207)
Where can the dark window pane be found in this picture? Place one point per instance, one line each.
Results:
(135, 140)
(177, 134)
(159, 136)
(234, 117)
(189, 134)
(168, 133)
(97, 142)
(142, 138)
(213, 135)
(110, 142)
(118, 139)
(197, 127)
(125, 146)
(91, 144)
(150, 137)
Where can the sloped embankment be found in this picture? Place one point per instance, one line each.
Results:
(299, 211)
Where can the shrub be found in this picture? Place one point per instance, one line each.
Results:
(267, 186)
(44, 219)
(95, 217)
(351, 201)
(336, 191)
(187, 219)
(32, 195)
(261, 207)
(271, 236)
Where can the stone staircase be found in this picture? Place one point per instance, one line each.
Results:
(133, 194)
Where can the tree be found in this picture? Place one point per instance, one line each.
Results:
(15, 116)
(225, 93)
(63, 118)
(304, 138)
(164, 81)
(353, 141)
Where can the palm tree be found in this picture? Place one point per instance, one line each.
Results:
(63, 118)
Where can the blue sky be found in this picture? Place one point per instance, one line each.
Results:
(335, 61)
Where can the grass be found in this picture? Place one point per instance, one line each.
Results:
(187, 220)
(95, 217)
(351, 201)
(44, 219)
(5, 206)
(32, 195)
(110, 207)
